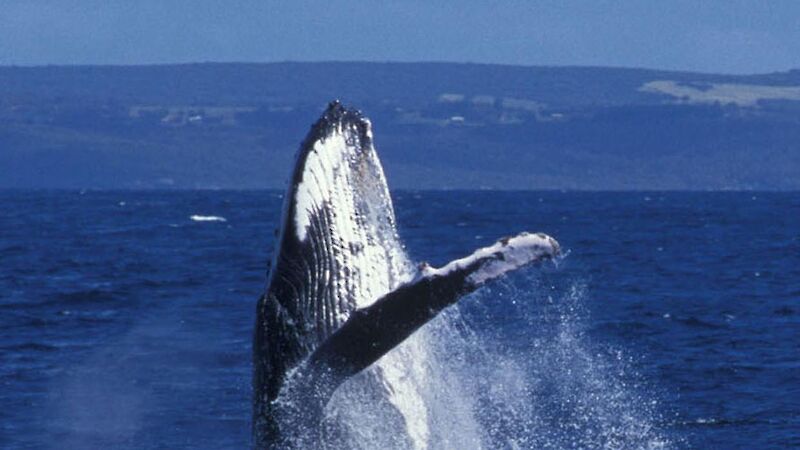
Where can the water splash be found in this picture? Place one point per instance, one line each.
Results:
(533, 380)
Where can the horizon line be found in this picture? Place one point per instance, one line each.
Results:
(389, 62)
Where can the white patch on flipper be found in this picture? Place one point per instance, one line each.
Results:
(502, 257)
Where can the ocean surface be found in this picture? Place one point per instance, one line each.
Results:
(673, 321)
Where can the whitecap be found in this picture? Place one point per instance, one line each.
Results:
(198, 218)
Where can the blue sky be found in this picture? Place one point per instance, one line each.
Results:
(730, 36)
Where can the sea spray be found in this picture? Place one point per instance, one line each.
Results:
(531, 379)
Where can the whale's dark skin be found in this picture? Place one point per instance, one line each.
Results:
(336, 239)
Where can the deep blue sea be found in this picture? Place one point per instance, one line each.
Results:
(673, 320)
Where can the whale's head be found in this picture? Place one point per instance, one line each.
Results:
(337, 165)
(339, 248)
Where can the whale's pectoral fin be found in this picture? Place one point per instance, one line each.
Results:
(371, 332)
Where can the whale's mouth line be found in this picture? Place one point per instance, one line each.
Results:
(342, 292)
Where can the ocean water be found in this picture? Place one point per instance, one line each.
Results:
(673, 321)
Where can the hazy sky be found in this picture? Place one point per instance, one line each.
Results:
(705, 35)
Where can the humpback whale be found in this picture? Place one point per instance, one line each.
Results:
(341, 292)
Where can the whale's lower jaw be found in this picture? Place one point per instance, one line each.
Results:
(341, 291)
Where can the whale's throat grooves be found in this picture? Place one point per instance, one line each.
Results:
(343, 217)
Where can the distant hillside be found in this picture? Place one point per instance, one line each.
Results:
(437, 125)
